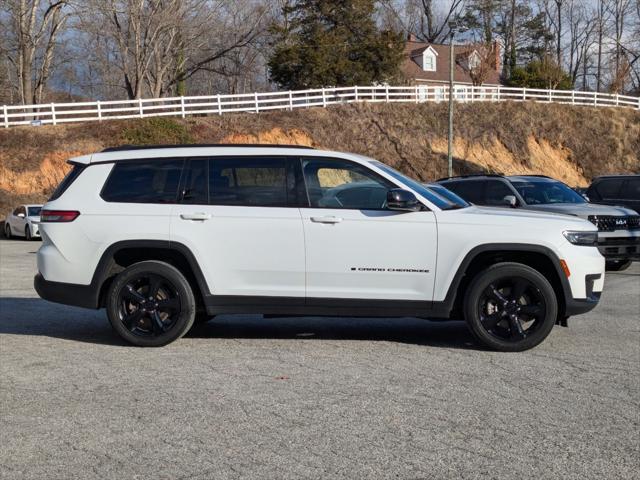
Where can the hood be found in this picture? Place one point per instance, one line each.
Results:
(582, 210)
(501, 214)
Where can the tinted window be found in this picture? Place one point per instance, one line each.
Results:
(34, 211)
(249, 181)
(341, 184)
(495, 193)
(631, 189)
(195, 187)
(146, 181)
(609, 188)
(67, 181)
(471, 190)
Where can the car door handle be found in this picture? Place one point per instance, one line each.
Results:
(330, 219)
(195, 216)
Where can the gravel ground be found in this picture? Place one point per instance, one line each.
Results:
(244, 397)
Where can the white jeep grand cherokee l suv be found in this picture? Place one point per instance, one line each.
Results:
(165, 236)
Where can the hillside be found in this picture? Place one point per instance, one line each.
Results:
(573, 144)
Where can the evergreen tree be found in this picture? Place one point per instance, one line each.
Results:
(328, 43)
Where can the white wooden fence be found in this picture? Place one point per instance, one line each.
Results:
(57, 113)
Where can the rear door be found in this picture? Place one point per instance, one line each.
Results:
(239, 217)
(355, 247)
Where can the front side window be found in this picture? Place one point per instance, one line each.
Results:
(195, 185)
(144, 181)
(249, 181)
(544, 192)
(342, 184)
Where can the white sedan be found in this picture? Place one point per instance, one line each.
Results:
(23, 222)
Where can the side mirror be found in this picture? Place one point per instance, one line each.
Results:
(403, 201)
(21, 215)
(511, 201)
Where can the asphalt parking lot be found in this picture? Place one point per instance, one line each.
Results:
(244, 397)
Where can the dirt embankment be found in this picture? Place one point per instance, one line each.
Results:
(573, 144)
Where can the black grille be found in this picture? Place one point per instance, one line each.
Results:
(609, 223)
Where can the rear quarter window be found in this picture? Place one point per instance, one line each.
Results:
(146, 181)
(67, 181)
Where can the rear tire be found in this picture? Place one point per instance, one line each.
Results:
(510, 307)
(151, 304)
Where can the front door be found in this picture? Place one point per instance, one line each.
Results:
(234, 215)
(355, 247)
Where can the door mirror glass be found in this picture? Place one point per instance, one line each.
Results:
(510, 200)
(402, 200)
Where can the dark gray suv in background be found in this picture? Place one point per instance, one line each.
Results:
(618, 227)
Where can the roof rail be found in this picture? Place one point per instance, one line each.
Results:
(471, 176)
(123, 148)
(531, 175)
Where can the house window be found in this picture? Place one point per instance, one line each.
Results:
(428, 61)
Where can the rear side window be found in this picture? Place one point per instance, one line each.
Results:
(195, 186)
(146, 181)
(631, 189)
(249, 181)
(67, 181)
(609, 188)
(496, 192)
(471, 190)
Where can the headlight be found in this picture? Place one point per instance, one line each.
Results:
(587, 239)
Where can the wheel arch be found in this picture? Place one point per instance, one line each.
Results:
(538, 257)
(122, 254)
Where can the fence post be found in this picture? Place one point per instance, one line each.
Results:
(386, 93)
(416, 93)
(140, 107)
(550, 95)
(498, 93)
(255, 97)
(182, 106)
(290, 100)
(324, 98)
(617, 99)
(573, 97)
(99, 111)
(356, 95)
(524, 94)
(219, 105)
(53, 113)
(6, 116)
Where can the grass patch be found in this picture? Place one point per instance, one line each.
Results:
(156, 131)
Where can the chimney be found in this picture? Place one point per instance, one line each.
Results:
(411, 37)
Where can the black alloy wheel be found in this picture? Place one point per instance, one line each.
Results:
(151, 304)
(510, 307)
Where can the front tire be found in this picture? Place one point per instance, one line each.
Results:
(27, 233)
(510, 307)
(7, 231)
(151, 304)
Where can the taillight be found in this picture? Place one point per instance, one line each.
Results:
(58, 216)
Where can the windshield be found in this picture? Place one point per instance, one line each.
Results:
(545, 192)
(441, 201)
(34, 211)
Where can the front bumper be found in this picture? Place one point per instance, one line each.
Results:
(617, 246)
(577, 306)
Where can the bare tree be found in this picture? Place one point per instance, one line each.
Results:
(33, 28)
(429, 20)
